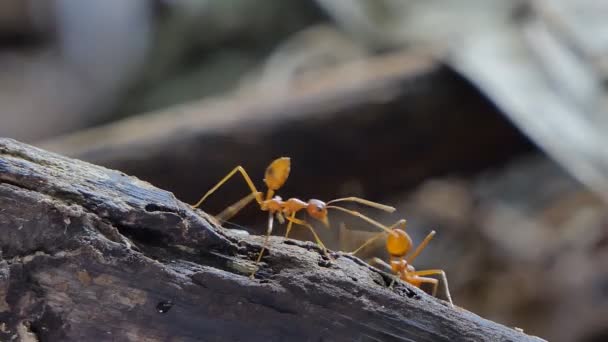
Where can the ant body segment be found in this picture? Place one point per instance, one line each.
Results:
(398, 244)
(275, 176)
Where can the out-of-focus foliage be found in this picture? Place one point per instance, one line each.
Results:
(542, 62)
(66, 63)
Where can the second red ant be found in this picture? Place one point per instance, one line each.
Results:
(398, 245)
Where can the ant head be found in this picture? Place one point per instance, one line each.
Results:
(398, 243)
(318, 210)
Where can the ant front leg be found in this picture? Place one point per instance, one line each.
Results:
(388, 268)
(443, 278)
(292, 219)
(367, 242)
(265, 245)
(289, 226)
(423, 280)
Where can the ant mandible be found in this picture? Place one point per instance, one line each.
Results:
(398, 244)
(275, 176)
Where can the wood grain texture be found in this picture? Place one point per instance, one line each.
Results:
(90, 253)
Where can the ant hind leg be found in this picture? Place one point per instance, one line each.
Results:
(265, 245)
(248, 180)
(232, 210)
(291, 218)
(443, 278)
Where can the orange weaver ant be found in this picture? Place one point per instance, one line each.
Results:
(275, 176)
(398, 244)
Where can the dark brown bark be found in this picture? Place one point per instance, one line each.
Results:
(90, 253)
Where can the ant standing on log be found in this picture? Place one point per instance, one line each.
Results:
(275, 176)
(398, 244)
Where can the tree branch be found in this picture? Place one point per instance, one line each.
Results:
(91, 253)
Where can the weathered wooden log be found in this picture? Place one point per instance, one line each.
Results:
(90, 253)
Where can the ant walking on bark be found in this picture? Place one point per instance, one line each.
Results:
(398, 245)
(275, 176)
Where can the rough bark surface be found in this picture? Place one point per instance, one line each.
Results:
(89, 253)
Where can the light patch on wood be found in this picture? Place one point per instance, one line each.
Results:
(118, 293)
(29, 258)
(129, 297)
(63, 286)
(27, 300)
(136, 334)
(103, 280)
(186, 249)
(25, 334)
(84, 278)
(242, 267)
(3, 304)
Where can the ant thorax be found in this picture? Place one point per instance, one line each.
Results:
(273, 205)
(293, 205)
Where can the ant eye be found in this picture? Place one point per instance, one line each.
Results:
(319, 208)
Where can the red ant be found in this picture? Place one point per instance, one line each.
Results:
(275, 176)
(398, 244)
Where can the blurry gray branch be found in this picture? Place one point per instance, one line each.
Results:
(542, 62)
(86, 52)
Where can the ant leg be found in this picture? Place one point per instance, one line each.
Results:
(232, 210)
(366, 243)
(381, 263)
(268, 232)
(387, 267)
(292, 218)
(444, 279)
(420, 247)
(433, 281)
(240, 169)
(374, 238)
(289, 226)
(280, 217)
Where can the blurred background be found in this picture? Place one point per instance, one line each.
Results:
(484, 120)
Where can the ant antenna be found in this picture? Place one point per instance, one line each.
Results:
(386, 208)
(361, 216)
(366, 243)
(420, 247)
